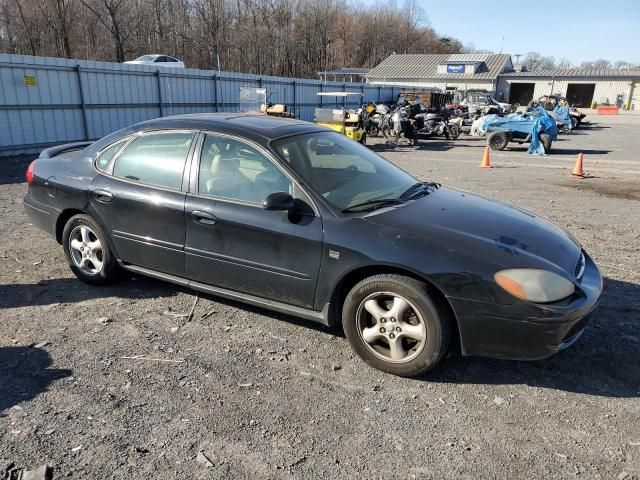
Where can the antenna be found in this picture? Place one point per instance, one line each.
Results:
(517, 55)
(501, 43)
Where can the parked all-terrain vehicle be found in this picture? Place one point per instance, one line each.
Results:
(538, 128)
(550, 102)
(483, 101)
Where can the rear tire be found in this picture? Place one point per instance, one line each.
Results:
(546, 142)
(394, 326)
(574, 123)
(454, 131)
(498, 140)
(87, 251)
(373, 131)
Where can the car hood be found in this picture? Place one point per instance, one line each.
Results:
(514, 237)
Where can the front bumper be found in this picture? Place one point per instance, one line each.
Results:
(524, 330)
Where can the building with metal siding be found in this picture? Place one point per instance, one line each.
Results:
(495, 73)
(585, 88)
(445, 72)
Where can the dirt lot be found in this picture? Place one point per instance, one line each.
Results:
(269, 396)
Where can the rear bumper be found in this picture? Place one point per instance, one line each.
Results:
(527, 331)
(42, 216)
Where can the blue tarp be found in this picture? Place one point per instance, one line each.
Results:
(535, 122)
(563, 116)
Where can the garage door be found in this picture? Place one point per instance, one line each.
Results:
(580, 94)
(521, 93)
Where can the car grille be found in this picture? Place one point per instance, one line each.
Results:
(580, 267)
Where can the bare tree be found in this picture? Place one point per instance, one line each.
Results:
(269, 37)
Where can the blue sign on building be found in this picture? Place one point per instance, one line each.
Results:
(455, 68)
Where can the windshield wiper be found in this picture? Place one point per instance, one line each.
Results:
(377, 202)
(420, 188)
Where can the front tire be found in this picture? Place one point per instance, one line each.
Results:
(394, 326)
(498, 140)
(87, 251)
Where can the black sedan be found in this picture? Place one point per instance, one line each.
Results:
(296, 218)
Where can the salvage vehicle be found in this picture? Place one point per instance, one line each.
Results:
(538, 128)
(346, 121)
(480, 100)
(550, 102)
(296, 218)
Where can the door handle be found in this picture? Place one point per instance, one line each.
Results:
(103, 196)
(205, 218)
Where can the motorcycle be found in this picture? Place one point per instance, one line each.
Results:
(401, 128)
(437, 123)
(378, 119)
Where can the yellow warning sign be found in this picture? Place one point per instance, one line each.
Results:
(30, 80)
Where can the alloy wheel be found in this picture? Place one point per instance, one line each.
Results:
(86, 250)
(391, 327)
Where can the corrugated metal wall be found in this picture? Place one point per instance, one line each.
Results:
(45, 101)
(606, 91)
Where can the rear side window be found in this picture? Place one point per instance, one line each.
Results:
(107, 155)
(156, 159)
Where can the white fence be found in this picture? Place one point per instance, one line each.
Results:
(46, 101)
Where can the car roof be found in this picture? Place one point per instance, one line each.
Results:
(254, 126)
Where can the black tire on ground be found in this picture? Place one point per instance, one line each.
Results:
(574, 123)
(416, 294)
(373, 130)
(546, 142)
(454, 131)
(109, 268)
(498, 140)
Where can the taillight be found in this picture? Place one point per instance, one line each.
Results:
(30, 172)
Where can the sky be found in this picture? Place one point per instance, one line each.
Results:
(580, 30)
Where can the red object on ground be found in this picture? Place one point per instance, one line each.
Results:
(608, 110)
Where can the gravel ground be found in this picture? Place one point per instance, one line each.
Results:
(264, 395)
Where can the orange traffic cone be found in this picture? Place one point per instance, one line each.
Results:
(577, 169)
(486, 163)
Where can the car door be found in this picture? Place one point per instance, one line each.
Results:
(140, 199)
(232, 242)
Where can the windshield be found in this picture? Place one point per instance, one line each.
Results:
(145, 58)
(348, 175)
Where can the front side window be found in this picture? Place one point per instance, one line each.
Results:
(344, 172)
(233, 170)
(155, 159)
(108, 153)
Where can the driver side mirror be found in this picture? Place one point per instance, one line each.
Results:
(279, 201)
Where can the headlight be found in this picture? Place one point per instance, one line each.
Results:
(540, 286)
